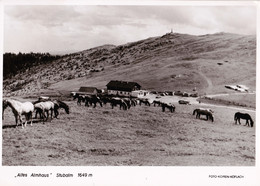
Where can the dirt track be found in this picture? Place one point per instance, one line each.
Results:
(208, 80)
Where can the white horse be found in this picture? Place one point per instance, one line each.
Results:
(20, 109)
(43, 107)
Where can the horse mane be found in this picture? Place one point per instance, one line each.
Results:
(196, 110)
(63, 103)
(12, 104)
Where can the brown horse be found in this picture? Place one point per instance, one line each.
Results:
(92, 100)
(207, 112)
(60, 104)
(118, 101)
(145, 101)
(169, 106)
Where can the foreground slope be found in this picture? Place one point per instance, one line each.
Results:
(141, 136)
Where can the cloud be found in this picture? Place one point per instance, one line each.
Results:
(53, 28)
(44, 15)
(237, 19)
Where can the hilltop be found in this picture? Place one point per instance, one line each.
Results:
(165, 63)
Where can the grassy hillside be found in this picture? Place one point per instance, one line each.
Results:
(170, 62)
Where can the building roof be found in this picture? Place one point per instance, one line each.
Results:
(123, 85)
(88, 89)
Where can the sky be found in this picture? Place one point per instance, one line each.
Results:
(61, 29)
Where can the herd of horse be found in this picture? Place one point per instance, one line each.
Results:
(126, 103)
(43, 105)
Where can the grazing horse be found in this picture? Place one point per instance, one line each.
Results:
(59, 104)
(80, 98)
(155, 102)
(207, 112)
(130, 102)
(169, 106)
(145, 101)
(92, 99)
(42, 107)
(105, 99)
(245, 116)
(133, 101)
(20, 109)
(118, 101)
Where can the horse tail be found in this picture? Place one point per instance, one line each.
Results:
(194, 112)
(236, 116)
(173, 108)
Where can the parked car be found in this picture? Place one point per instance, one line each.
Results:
(185, 94)
(178, 93)
(184, 102)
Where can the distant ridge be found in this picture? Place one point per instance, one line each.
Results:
(173, 61)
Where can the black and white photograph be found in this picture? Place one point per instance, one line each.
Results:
(155, 85)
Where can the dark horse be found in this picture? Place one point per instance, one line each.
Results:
(92, 99)
(80, 98)
(118, 101)
(245, 116)
(155, 102)
(169, 106)
(144, 101)
(207, 112)
(60, 104)
(130, 102)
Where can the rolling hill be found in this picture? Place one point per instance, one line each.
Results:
(165, 63)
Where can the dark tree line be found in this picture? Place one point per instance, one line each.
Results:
(15, 63)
